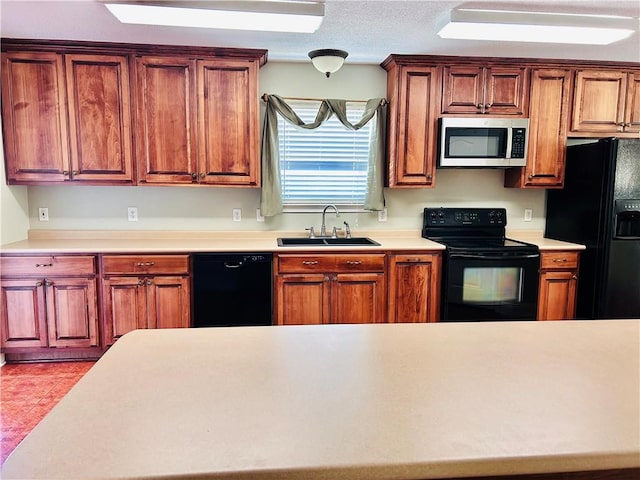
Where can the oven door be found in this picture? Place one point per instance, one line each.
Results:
(491, 286)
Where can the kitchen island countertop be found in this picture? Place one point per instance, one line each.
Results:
(349, 402)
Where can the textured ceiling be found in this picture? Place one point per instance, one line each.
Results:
(368, 30)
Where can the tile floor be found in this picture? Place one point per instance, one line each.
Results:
(28, 392)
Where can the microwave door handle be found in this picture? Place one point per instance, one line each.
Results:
(494, 257)
(507, 154)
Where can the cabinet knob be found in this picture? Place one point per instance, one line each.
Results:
(627, 125)
(530, 177)
(38, 284)
(202, 175)
(488, 105)
(429, 176)
(149, 282)
(48, 283)
(194, 176)
(74, 173)
(479, 106)
(140, 282)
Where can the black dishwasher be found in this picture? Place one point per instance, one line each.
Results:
(232, 289)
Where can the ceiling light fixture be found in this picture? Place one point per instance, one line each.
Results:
(258, 15)
(541, 27)
(327, 61)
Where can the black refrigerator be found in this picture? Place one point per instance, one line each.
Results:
(599, 207)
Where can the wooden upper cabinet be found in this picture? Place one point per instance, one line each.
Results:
(166, 105)
(606, 102)
(99, 118)
(228, 122)
(414, 96)
(34, 110)
(549, 107)
(492, 90)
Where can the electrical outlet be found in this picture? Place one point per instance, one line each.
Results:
(259, 216)
(528, 214)
(43, 214)
(236, 215)
(132, 214)
(382, 215)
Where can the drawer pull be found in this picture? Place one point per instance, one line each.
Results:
(309, 262)
(145, 264)
(354, 262)
(560, 260)
(413, 259)
(44, 264)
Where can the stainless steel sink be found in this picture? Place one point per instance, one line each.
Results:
(321, 242)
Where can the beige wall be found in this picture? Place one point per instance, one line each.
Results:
(209, 208)
(14, 209)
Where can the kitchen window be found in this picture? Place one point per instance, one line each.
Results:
(340, 163)
(328, 164)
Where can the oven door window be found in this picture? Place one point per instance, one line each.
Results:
(475, 142)
(485, 288)
(492, 285)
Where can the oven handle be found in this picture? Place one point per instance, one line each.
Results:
(493, 257)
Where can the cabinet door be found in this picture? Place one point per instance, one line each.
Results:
(632, 105)
(302, 299)
(598, 104)
(557, 295)
(228, 147)
(505, 91)
(549, 107)
(99, 118)
(358, 298)
(166, 124)
(72, 312)
(168, 302)
(34, 111)
(462, 89)
(414, 295)
(23, 314)
(125, 306)
(413, 127)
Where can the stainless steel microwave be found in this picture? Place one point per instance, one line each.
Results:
(482, 142)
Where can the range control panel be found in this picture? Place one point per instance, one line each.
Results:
(465, 217)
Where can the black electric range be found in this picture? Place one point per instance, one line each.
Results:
(486, 276)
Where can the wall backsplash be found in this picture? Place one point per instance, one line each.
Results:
(187, 208)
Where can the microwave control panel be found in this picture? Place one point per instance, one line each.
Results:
(467, 217)
(518, 142)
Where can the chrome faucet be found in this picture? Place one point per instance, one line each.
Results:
(323, 228)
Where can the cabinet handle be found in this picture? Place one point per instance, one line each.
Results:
(38, 284)
(326, 278)
(48, 283)
(65, 172)
(194, 176)
(309, 262)
(44, 264)
(429, 176)
(478, 106)
(149, 282)
(145, 264)
(488, 105)
(575, 277)
(354, 262)
(627, 125)
(140, 283)
(202, 175)
(560, 260)
(74, 173)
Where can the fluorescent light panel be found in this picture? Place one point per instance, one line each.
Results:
(270, 16)
(539, 27)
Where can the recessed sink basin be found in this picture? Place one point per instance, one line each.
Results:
(321, 242)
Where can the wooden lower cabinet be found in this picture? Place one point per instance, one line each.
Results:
(558, 285)
(414, 287)
(54, 309)
(138, 295)
(329, 288)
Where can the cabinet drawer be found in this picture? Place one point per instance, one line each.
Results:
(559, 260)
(331, 263)
(47, 265)
(359, 263)
(305, 263)
(145, 264)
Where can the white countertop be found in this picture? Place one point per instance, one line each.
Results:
(67, 241)
(348, 402)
